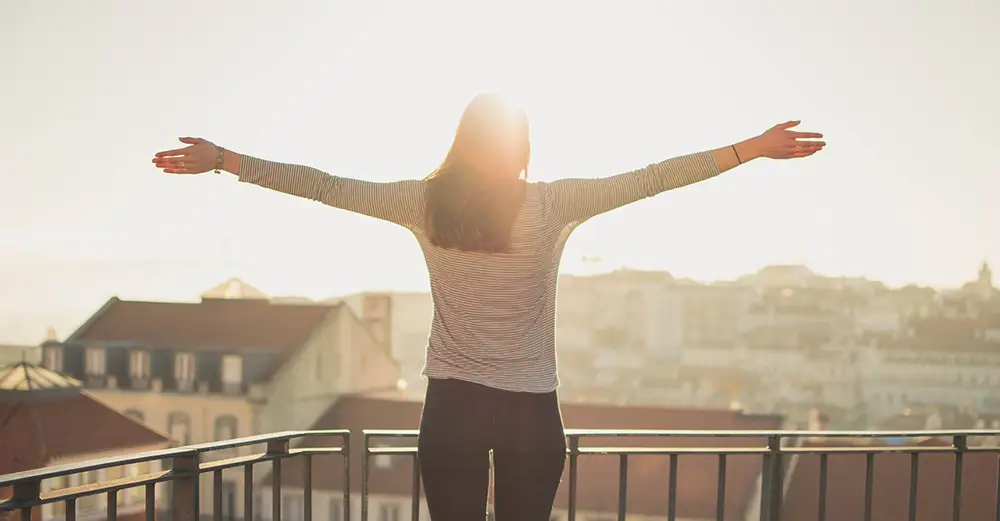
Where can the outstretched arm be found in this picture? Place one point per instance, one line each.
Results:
(399, 202)
(573, 201)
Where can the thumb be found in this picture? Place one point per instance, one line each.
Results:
(789, 124)
(191, 140)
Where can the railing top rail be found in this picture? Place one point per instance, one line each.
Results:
(139, 457)
(581, 433)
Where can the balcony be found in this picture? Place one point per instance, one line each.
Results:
(736, 475)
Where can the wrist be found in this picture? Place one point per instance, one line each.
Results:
(231, 161)
(748, 150)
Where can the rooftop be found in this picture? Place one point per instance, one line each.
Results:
(46, 416)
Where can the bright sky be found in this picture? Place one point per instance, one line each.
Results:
(905, 91)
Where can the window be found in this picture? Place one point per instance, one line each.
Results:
(225, 428)
(389, 512)
(232, 369)
(179, 427)
(54, 358)
(291, 508)
(136, 415)
(184, 369)
(138, 363)
(95, 364)
(336, 510)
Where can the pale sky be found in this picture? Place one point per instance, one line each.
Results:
(905, 91)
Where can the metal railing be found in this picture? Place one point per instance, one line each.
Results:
(183, 468)
(774, 450)
(774, 453)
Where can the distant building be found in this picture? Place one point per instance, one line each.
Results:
(401, 323)
(223, 367)
(47, 419)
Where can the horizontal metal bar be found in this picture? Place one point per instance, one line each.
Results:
(610, 451)
(190, 450)
(583, 433)
(239, 461)
(94, 489)
(116, 485)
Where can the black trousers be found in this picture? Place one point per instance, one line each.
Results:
(461, 423)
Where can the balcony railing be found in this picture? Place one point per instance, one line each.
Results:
(183, 467)
(776, 449)
(774, 453)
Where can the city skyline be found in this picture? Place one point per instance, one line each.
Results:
(30, 326)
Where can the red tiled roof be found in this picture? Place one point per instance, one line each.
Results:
(845, 498)
(211, 323)
(36, 427)
(598, 475)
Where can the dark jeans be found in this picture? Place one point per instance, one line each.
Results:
(461, 422)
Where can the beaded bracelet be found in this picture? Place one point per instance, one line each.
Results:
(218, 159)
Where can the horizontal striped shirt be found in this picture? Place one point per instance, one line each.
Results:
(494, 314)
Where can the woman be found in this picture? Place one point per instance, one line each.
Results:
(492, 242)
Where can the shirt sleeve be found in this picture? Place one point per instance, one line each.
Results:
(573, 201)
(399, 202)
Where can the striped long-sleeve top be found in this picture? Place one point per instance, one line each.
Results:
(494, 314)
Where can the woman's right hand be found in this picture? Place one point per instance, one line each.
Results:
(779, 142)
(200, 157)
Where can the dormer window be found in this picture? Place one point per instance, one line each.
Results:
(184, 370)
(95, 361)
(232, 370)
(139, 364)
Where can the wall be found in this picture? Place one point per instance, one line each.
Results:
(342, 357)
(407, 324)
(203, 411)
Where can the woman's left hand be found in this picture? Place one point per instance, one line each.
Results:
(200, 157)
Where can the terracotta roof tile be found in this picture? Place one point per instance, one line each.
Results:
(211, 323)
(51, 422)
(598, 475)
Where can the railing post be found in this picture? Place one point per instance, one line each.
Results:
(961, 444)
(364, 478)
(771, 482)
(574, 455)
(276, 448)
(346, 452)
(184, 500)
(27, 491)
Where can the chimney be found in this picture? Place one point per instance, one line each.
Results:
(376, 313)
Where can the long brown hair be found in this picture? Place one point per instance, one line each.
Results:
(474, 196)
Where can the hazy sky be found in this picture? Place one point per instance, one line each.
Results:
(905, 90)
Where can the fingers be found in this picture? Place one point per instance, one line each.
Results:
(803, 152)
(787, 125)
(805, 135)
(175, 152)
